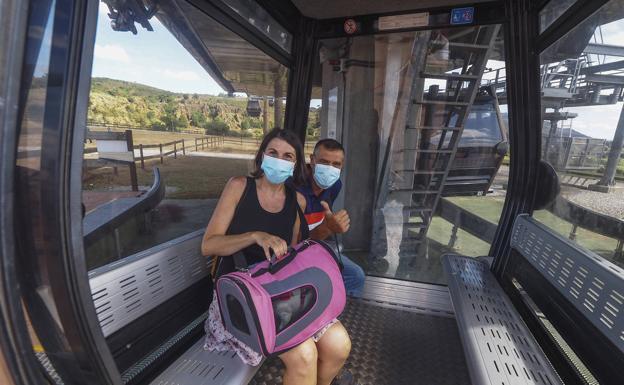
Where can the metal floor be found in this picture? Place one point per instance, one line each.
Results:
(394, 347)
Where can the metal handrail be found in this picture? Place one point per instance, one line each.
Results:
(144, 204)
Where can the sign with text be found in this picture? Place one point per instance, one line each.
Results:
(410, 20)
(461, 16)
(114, 150)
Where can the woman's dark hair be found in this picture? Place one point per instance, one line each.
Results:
(291, 138)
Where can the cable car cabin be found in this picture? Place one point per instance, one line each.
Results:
(481, 149)
(253, 108)
(481, 267)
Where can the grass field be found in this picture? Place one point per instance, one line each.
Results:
(197, 177)
(230, 144)
(188, 177)
(490, 208)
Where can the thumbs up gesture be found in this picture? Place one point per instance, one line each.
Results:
(336, 222)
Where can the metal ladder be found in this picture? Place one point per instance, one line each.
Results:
(433, 128)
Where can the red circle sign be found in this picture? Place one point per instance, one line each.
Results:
(350, 26)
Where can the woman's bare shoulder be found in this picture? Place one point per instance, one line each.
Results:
(234, 188)
(237, 182)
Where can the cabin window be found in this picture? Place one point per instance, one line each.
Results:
(181, 94)
(260, 19)
(582, 132)
(551, 12)
(422, 116)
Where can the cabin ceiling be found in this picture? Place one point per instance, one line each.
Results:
(235, 64)
(328, 9)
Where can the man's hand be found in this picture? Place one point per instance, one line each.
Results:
(336, 222)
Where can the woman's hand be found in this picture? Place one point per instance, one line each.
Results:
(268, 241)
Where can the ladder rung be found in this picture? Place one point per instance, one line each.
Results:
(421, 209)
(476, 168)
(562, 75)
(414, 225)
(434, 128)
(411, 240)
(442, 103)
(414, 241)
(419, 192)
(422, 172)
(448, 76)
(468, 46)
(428, 151)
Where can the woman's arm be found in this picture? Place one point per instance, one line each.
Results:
(216, 243)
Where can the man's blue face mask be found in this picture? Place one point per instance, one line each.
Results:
(325, 176)
(277, 170)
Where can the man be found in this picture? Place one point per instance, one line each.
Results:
(322, 187)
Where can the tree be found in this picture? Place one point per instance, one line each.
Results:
(217, 127)
(198, 119)
(182, 121)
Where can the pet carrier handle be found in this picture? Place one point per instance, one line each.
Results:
(276, 264)
(240, 262)
(338, 251)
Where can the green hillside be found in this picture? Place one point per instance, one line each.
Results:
(125, 103)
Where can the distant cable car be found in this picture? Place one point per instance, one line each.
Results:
(253, 108)
(482, 147)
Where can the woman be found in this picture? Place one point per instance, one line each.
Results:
(257, 215)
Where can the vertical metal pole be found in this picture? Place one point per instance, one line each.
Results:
(161, 154)
(175, 151)
(142, 159)
(133, 173)
(277, 105)
(619, 251)
(573, 232)
(183, 148)
(265, 115)
(195, 144)
(608, 178)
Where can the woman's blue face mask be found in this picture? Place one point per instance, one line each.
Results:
(277, 170)
(325, 176)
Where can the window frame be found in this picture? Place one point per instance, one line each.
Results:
(15, 342)
(65, 320)
(591, 346)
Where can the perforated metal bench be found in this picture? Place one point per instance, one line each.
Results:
(152, 306)
(498, 346)
(593, 285)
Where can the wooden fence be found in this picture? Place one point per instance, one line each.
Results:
(175, 147)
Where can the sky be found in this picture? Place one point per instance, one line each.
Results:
(601, 121)
(157, 59)
(152, 58)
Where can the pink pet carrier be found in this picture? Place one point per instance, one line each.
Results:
(275, 306)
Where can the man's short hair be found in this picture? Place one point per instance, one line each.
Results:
(329, 144)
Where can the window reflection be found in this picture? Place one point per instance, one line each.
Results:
(552, 10)
(173, 114)
(261, 20)
(583, 130)
(422, 110)
(29, 142)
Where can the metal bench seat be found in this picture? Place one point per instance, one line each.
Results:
(151, 306)
(498, 346)
(201, 367)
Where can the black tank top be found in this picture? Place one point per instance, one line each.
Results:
(250, 216)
